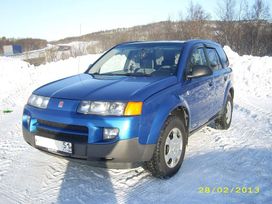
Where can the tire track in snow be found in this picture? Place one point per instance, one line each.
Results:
(10, 145)
(4, 166)
(254, 110)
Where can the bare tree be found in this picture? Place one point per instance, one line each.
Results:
(196, 22)
(244, 11)
(196, 12)
(260, 10)
(226, 28)
(259, 13)
(226, 10)
(167, 29)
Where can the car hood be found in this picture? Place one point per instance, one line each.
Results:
(105, 88)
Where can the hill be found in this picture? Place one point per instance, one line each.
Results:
(251, 37)
(245, 37)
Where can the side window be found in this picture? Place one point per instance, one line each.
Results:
(223, 56)
(197, 58)
(214, 59)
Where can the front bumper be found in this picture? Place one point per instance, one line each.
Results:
(86, 135)
(122, 151)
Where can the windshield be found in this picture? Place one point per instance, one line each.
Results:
(138, 60)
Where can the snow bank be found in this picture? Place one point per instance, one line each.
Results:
(14, 73)
(252, 75)
(18, 78)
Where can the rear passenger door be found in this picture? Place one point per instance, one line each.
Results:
(219, 77)
(200, 91)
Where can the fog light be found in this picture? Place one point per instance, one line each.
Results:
(110, 133)
(26, 119)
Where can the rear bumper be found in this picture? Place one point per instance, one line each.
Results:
(122, 151)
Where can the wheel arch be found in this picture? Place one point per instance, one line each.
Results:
(176, 107)
(182, 113)
(229, 90)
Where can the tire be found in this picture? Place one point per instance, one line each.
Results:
(168, 155)
(224, 121)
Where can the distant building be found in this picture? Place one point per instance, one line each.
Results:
(10, 50)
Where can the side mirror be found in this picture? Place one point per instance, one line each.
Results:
(199, 71)
(213, 64)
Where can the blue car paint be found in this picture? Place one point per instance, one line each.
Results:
(163, 103)
(128, 126)
(160, 95)
(105, 88)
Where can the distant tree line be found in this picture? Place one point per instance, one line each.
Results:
(27, 44)
(245, 28)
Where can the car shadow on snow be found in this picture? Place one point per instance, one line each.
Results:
(247, 167)
(83, 183)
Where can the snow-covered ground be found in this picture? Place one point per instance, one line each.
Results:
(238, 157)
(55, 52)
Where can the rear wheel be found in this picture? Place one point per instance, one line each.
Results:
(224, 121)
(170, 149)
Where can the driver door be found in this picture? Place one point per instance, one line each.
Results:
(200, 91)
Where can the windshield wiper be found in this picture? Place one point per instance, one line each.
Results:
(137, 74)
(92, 74)
(120, 74)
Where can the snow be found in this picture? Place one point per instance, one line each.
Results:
(238, 157)
(253, 74)
(79, 45)
(75, 48)
(19, 79)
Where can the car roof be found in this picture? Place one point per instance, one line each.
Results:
(169, 42)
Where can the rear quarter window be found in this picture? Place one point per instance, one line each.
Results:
(213, 58)
(223, 56)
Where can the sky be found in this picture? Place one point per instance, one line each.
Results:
(56, 19)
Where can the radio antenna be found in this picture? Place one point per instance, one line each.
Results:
(79, 49)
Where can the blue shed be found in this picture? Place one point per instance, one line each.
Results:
(12, 49)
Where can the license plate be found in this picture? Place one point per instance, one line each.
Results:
(53, 145)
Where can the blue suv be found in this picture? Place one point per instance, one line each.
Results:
(137, 104)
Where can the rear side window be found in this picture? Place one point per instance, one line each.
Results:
(214, 59)
(197, 58)
(223, 56)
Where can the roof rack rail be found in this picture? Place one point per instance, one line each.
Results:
(130, 42)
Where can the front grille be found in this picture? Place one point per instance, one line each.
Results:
(77, 128)
(63, 132)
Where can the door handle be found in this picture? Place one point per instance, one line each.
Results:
(211, 83)
(225, 78)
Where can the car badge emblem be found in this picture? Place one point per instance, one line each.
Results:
(60, 104)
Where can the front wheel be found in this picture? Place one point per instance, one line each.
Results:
(170, 149)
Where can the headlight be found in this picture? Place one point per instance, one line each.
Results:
(38, 101)
(110, 108)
